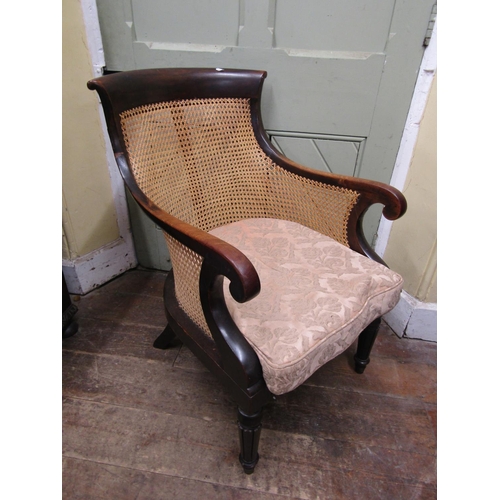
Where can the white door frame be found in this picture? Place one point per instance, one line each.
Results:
(410, 133)
(411, 317)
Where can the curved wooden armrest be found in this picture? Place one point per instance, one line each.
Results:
(224, 257)
(239, 359)
(220, 259)
(370, 192)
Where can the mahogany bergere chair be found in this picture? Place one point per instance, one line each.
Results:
(239, 218)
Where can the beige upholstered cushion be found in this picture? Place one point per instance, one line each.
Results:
(316, 297)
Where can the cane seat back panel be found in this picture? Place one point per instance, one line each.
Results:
(199, 160)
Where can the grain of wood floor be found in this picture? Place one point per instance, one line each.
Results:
(141, 423)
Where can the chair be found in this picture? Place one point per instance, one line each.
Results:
(239, 218)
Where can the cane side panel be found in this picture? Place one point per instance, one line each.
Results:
(187, 266)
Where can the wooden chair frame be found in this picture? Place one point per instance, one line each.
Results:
(229, 356)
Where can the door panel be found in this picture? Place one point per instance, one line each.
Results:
(341, 25)
(194, 22)
(341, 73)
(333, 156)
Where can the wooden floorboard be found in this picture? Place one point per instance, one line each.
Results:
(144, 423)
(99, 481)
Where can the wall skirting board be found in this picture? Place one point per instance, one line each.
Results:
(413, 319)
(96, 268)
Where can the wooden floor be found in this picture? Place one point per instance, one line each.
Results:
(141, 423)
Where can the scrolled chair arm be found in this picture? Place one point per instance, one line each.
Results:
(220, 260)
(238, 356)
(227, 259)
(368, 193)
(394, 204)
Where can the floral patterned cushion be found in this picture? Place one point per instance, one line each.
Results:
(316, 297)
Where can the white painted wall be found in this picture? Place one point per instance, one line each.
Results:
(410, 135)
(97, 243)
(409, 245)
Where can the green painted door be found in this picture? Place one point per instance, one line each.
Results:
(340, 79)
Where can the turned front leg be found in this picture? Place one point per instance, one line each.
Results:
(249, 427)
(365, 343)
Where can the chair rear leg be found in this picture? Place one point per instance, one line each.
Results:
(365, 344)
(249, 427)
(165, 339)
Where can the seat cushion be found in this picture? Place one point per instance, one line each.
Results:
(316, 297)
